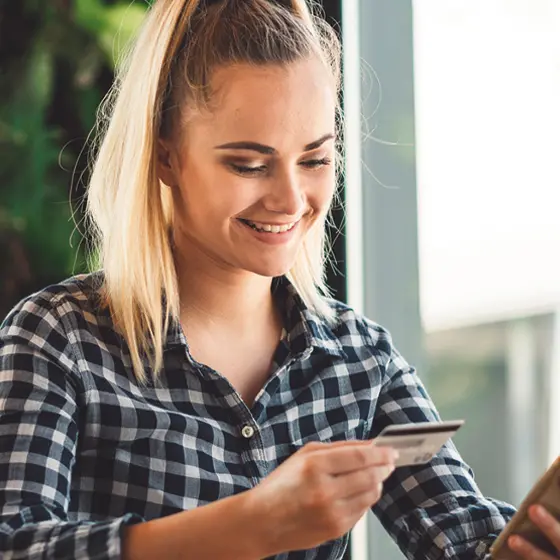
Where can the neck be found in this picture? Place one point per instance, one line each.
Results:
(223, 299)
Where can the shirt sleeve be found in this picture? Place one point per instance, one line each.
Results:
(433, 511)
(39, 389)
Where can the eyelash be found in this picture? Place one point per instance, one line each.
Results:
(311, 164)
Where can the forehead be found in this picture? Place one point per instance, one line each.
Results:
(276, 105)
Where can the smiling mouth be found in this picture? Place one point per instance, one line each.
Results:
(269, 228)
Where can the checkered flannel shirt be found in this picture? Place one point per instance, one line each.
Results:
(85, 450)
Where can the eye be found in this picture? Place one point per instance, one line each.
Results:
(316, 163)
(247, 170)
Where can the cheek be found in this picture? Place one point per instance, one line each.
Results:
(321, 195)
(211, 200)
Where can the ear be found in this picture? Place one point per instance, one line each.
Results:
(166, 169)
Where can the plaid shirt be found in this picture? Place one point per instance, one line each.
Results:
(85, 450)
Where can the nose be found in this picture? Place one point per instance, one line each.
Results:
(286, 195)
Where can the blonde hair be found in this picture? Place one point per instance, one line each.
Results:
(179, 45)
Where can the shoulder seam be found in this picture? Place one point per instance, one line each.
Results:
(54, 305)
(57, 304)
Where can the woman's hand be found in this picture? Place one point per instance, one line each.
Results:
(319, 493)
(550, 528)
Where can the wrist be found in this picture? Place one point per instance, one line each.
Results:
(255, 523)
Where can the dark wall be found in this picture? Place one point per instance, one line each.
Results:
(337, 269)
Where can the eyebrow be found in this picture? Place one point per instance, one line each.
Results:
(269, 150)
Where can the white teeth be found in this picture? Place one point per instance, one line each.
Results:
(272, 228)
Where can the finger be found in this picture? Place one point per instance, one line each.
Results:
(547, 524)
(322, 445)
(351, 484)
(527, 550)
(346, 459)
(359, 503)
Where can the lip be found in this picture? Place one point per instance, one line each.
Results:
(271, 238)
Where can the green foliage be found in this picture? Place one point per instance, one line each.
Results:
(57, 63)
(113, 26)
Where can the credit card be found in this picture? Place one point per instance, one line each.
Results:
(417, 443)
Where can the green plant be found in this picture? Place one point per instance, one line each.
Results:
(56, 63)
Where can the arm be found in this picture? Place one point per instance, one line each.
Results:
(39, 395)
(435, 510)
(228, 529)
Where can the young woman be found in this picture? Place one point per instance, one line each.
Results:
(199, 396)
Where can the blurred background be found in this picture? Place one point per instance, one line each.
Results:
(56, 63)
(450, 231)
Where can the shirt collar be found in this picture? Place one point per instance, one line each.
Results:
(306, 331)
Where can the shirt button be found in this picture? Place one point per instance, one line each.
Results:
(248, 431)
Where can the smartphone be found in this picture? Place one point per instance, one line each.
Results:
(417, 443)
(545, 492)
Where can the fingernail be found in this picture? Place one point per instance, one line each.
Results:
(540, 512)
(514, 542)
(395, 454)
